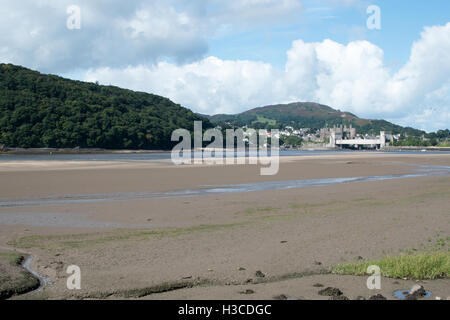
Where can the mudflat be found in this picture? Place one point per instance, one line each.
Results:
(153, 230)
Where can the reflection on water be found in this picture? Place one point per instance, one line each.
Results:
(422, 171)
(167, 156)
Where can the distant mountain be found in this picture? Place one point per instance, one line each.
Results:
(306, 115)
(38, 110)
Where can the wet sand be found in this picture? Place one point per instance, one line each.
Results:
(208, 240)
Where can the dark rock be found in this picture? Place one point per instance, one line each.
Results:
(259, 274)
(339, 298)
(359, 258)
(248, 291)
(318, 285)
(284, 241)
(377, 297)
(249, 280)
(281, 297)
(418, 291)
(331, 292)
(317, 263)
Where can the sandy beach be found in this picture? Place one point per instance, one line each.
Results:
(152, 230)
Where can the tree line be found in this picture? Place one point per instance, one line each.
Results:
(38, 110)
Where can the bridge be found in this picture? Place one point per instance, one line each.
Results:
(337, 141)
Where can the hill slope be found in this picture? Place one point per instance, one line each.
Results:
(307, 115)
(39, 110)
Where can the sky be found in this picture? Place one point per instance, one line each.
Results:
(228, 56)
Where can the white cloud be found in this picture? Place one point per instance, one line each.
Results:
(209, 85)
(117, 33)
(351, 77)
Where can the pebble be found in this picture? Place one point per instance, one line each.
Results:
(318, 285)
(259, 274)
(248, 291)
(331, 292)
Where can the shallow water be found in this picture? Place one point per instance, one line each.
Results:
(43, 281)
(63, 219)
(421, 171)
(167, 155)
(401, 294)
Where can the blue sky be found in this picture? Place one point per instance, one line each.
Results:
(227, 56)
(402, 23)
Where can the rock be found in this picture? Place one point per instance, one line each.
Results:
(241, 269)
(359, 258)
(248, 291)
(259, 274)
(281, 297)
(418, 291)
(377, 297)
(318, 285)
(249, 280)
(317, 263)
(284, 241)
(185, 278)
(339, 298)
(331, 292)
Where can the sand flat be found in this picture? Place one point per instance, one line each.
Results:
(210, 236)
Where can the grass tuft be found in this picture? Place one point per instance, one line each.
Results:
(420, 266)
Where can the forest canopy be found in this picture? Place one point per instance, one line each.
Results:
(38, 110)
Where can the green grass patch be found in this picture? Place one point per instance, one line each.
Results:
(252, 211)
(420, 266)
(60, 242)
(268, 121)
(12, 258)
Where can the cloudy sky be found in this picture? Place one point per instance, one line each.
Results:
(227, 56)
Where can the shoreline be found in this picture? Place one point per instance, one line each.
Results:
(47, 151)
(94, 151)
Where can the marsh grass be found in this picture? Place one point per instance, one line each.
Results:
(253, 211)
(419, 266)
(58, 242)
(12, 258)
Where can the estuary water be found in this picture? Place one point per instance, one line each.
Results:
(146, 156)
(420, 171)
